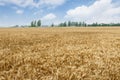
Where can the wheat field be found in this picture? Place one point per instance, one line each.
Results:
(60, 53)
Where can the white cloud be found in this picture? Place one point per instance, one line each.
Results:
(26, 3)
(100, 11)
(52, 2)
(48, 19)
(49, 16)
(21, 3)
(19, 11)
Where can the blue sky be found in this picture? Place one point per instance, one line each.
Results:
(22, 12)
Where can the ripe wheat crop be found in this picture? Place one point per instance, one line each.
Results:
(60, 54)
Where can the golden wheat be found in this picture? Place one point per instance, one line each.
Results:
(60, 54)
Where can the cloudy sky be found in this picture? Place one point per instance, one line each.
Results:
(21, 12)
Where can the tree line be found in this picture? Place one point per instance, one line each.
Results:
(70, 23)
(84, 24)
(35, 23)
(38, 23)
(104, 24)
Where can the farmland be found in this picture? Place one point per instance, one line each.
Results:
(60, 53)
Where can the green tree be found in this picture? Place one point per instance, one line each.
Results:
(64, 24)
(76, 24)
(80, 24)
(32, 24)
(69, 23)
(38, 23)
(52, 25)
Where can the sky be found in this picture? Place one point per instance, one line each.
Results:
(22, 12)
